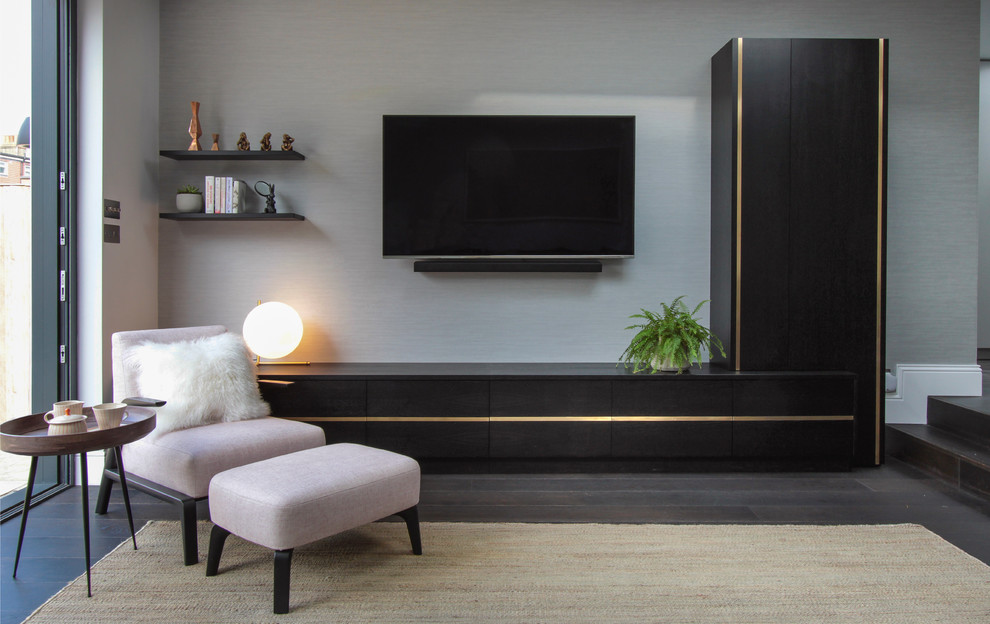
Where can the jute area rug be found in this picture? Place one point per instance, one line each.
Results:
(566, 573)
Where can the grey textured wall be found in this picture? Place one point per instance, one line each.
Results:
(325, 72)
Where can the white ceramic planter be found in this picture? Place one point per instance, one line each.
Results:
(189, 202)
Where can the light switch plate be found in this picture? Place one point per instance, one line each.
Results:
(111, 209)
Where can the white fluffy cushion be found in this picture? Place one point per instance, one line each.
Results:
(204, 381)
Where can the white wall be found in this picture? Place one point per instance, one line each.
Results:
(325, 72)
(118, 126)
(90, 31)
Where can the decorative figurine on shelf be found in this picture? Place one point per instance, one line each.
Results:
(269, 195)
(266, 142)
(194, 130)
(287, 143)
(216, 143)
(243, 144)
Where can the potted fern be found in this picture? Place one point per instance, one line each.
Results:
(669, 340)
(189, 199)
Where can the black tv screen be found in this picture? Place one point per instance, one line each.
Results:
(508, 186)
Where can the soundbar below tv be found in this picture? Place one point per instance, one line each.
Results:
(508, 187)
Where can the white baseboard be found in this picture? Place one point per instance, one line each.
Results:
(916, 382)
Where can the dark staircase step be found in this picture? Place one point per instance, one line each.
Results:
(967, 417)
(952, 457)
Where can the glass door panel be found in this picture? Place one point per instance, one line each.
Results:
(37, 34)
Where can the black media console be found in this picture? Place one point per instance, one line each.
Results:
(533, 417)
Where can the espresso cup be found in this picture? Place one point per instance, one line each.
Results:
(109, 415)
(75, 408)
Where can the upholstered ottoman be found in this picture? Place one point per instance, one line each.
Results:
(292, 500)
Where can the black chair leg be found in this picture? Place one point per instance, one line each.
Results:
(187, 521)
(106, 483)
(283, 562)
(217, 538)
(411, 516)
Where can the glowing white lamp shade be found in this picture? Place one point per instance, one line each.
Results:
(272, 330)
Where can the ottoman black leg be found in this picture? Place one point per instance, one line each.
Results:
(283, 561)
(217, 537)
(411, 516)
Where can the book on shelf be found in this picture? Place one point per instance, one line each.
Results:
(239, 195)
(221, 193)
(209, 203)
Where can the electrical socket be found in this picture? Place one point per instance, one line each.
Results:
(111, 233)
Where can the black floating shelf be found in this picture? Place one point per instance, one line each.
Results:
(240, 216)
(232, 155)
(507, 266)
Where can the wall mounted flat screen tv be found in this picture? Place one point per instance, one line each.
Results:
(508, 186)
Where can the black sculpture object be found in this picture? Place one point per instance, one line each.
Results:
(269, 195)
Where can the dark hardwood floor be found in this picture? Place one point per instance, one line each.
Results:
(892, 493)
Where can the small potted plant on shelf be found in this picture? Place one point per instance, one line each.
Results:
(189, 199)
(670, 340)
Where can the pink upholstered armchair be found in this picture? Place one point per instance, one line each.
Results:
(215, 419)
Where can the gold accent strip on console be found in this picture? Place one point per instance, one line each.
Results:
(563, 418)
(839, 417)
(739, 118)
(550, 418)
(671, 418)
(427, 419)
(881, 95)
(327, 418)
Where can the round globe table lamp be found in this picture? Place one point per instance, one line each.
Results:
(272, 330)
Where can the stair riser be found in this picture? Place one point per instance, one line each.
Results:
(923, 456)
(945, 465)
(962, 421)
(974, 478)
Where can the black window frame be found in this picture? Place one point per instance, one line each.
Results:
(53, 205)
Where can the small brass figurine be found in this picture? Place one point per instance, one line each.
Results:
(266, 142)
(287, 143)
(269, 195)
(216, 143)
(243, 144)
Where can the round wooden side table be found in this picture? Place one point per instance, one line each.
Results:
(28, 435)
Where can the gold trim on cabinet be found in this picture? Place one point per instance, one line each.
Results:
(739, 118)
(839, 417)
(881, 95)
(327, 418)
(551, 419)
(671, 418)
(479, 419)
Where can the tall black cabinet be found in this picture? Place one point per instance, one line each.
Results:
(799, 132)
